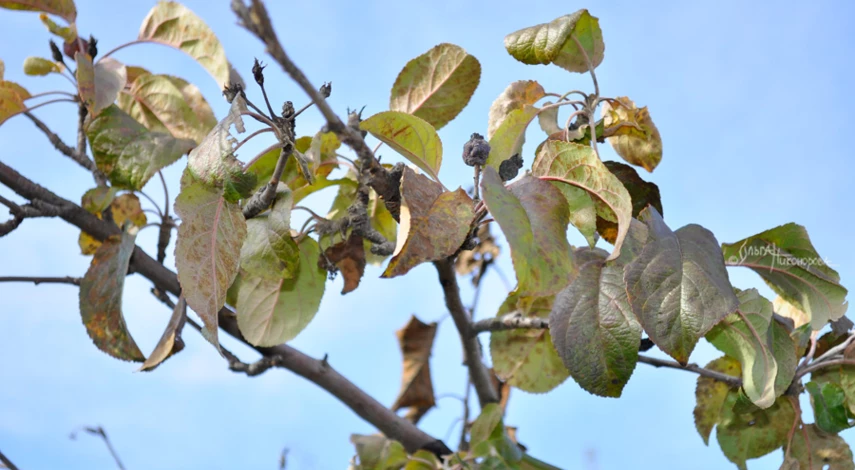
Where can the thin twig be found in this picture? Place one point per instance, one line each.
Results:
(8, 463)
(80, 158)
(511, 321)
(821, 365)
(165, 194)
(40, 280)
(262, 199)
(99, 431)
(836, 349)
(156, 206)
(463, 443)
(728, 379)
(260, 131)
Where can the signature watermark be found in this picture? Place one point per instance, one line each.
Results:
(779, 257)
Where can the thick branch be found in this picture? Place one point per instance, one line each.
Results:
(317, 371)
(263, 198)
(510, 321)
(728, 379)
(39, 280)
(471, 347)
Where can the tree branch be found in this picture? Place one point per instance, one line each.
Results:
(263, 198)
(80, 158)
(8, 463)
(728, 379)
(39, 280)
(510, 321)
(478, 372)
(317, 371)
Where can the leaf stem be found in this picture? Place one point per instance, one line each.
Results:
(159, 212)
(260, 131)
(39, 280)
(165, 195)
(122, 46)
(55, 92)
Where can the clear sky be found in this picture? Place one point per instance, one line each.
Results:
(754, 109)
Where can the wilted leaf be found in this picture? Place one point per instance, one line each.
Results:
(526, 358)
(416, 340)
(67, 33)
(436, 223)
(62, 8)
(509, 138)
(125, 207)
(377, 452)
(710, 395)
(163, 103)
(678, 287)
(552, 43)
(785, 258)
(750, 435)
(349, 257)
(816, 450)
(173, 24)
(269, 251)
(436, 85)
(127, 152)
(641, 192)
(516, 96)
(271, 312)
(207, 252)
(547, 118)
(170, 342)
(101, 298)
(579, 166)
(533, 216)
(632, 133)
(39, 66)
(410, 136)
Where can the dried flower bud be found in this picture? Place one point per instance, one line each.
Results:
(288, 110)
(92, 47)
(232, 90)
(55, 52)
(353, 120)
(509, 168)
(476, 150)
(258, 72)
(326, 90)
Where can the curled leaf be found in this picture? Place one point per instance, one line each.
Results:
(509, 138)
(632, 133)
(553, 42)
(416, 341)
(348, 257)
(64, 9)
(170, 342)
(515, 96)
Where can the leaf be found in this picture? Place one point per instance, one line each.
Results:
(641, 192)
(349, 257)
(110, 78)
(423, 460)
(170, 342)
(127, 152)
(783, 348)
(516, 96)
(269, 251)
(376, 452)
(829, 406)
(750, 435)
(67, 33)
(632, 133)
(123, 208)
(85, 79)
(167, 104)
(710, 395)
(436, 223)
(489, 439)
(533, 217)
(416, 341)
(207, 252)
(509, 138)
(272, 312)
(592, 324)
(552, 43)
(62, 8)
(746, 341)
(409, 135)
(579, 166)
(101, 298)
(382, 221)
(547, 118)
(816, 450)
(12, 98)
(526, 358)
(436, 85)
(678, 287)
(785, 258)
(172, 24)
(38, 66)
(2, 69)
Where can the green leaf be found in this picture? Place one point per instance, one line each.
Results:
(829, 406)
(170, 342)
(746, 341)
(110, 78)
(583, 211)
(409, 135)
(783, 348)
(163, 103)
(678, 287)
(552, 43)
(632, 133)
(123, 208)
(533, 216)
(516, 96)
(272, 312)
(62, 8)
(38, 66)
(101, 298)
(436, 85)
(207, 252)
(269, 251)
(436, 223)
(592, 324)
(579, 166)
(509, 138)
(423, 460)
(67, 33)
(526, 358)
(127, 152)
(172, 24)
(377, 452)
(488, 439)
(12, 98)
(785, 258)
(710, 395)
(382, 221)
(641, 192)
(816, 450)
(744, 436)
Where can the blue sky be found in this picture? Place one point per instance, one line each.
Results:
(753, 106)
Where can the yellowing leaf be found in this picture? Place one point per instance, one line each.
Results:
(516, 96)
(271, 312)
(436, 85)
(632, 133)
(509, 138)
(173, 24)
(170, 342)
(416, 341)
(553, 43)
(67, 33)
(410, 136)
(710, 395)
(101, 298)
(123, 208)
(38, 66)
(269, 251)
(820, 451)
(63, 8)
(85, 78)
(207, 252)
(12, 98)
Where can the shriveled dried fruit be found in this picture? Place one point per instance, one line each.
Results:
(476, 150)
